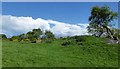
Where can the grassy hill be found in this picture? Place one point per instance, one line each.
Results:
(93, 52)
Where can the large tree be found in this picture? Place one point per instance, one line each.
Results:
(49, 35)
(100, 21)
(37, 33)
(34, 34)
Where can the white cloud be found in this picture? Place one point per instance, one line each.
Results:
(12, 25)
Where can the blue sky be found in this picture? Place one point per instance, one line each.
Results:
(69, 12)
(61, 18)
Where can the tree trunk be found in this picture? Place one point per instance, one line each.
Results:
(110, 34)
(101, 32)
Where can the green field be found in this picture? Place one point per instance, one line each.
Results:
(94, 53)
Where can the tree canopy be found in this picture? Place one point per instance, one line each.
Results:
(100, 21)
(3, 36)
(49, 35)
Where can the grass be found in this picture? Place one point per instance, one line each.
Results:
(94, 53)
(0, 53)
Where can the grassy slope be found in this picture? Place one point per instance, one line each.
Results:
(0, 53)
(94, 53)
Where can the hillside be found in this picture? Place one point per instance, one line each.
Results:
(93, 52)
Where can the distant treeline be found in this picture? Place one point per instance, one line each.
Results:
(31, 36)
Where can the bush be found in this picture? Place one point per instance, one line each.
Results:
(14, 38)
(80, 39)
(33, 40)
(63, 38)
(80, 43)
(48, 41)
(66, 43)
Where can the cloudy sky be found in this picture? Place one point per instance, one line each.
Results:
(62, 18)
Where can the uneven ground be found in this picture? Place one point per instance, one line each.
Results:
(95, 53)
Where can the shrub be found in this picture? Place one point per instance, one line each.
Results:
(66, 43)
(63, 38)
(33, 40)
(80, 39)
(14, 38)
(24, 41)
(80, 43)
(48, 41)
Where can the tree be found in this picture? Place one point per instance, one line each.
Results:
(14, 38)
(116, 33)
(100, 21)
(29, 35)
(49, 35)
(37, 33)
(21, 37)
(34, 34)
(3, 36)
